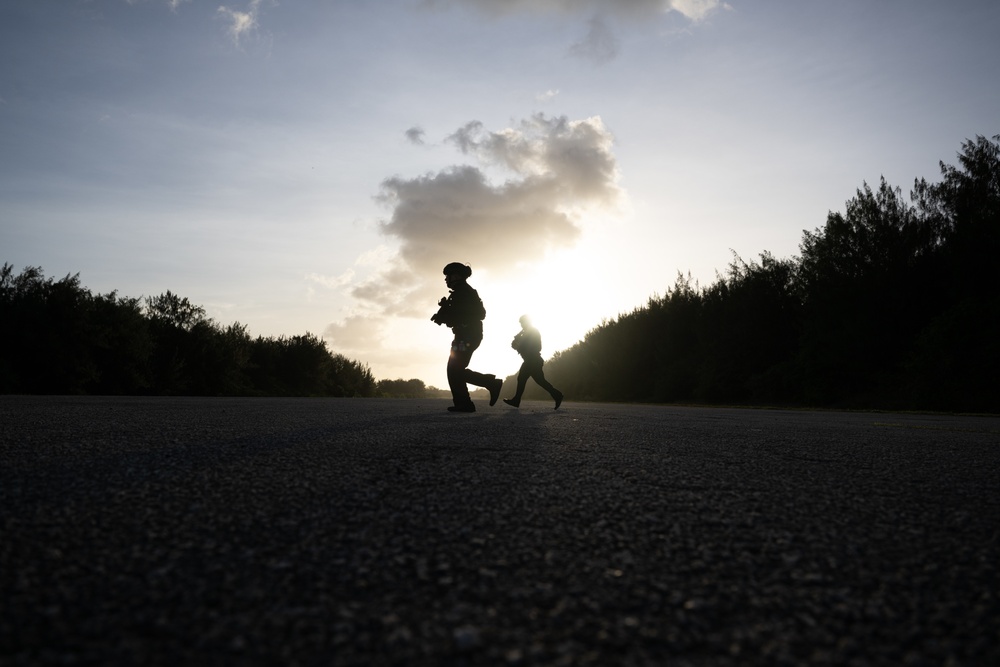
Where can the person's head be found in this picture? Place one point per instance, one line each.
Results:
(456, 273)
(525, 321)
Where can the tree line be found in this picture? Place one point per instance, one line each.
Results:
(892, 304)
(60, 338)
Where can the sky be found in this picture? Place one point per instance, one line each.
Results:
(311, 165)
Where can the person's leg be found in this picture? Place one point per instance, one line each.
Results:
(490, 382)
(538, 375)
(458, 362)
(468, 375)
(522, 380)
(478, 379)
(487, 380)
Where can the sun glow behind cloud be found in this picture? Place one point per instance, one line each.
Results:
(521, 235)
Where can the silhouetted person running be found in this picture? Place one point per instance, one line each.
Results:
(463, 311)
(528, 343)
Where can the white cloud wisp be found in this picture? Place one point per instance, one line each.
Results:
(241, 23)
(695, 10)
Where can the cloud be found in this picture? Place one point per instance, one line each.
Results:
(695, 10)
(599, 45)
(376, 257)
(331, 282)
(415, 135)
(172, 4)
(547, 95)
(558, 169)
(574, 156)
(241, 23)
(357, 332)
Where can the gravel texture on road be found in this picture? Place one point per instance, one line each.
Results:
(166, 531)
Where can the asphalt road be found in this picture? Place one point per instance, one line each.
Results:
(374, 532)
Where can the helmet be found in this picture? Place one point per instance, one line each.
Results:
(459, 269)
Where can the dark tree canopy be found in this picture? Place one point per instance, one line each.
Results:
(893, 303)
(60, 338)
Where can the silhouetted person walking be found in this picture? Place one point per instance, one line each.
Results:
(528, 343)
(463, 311)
